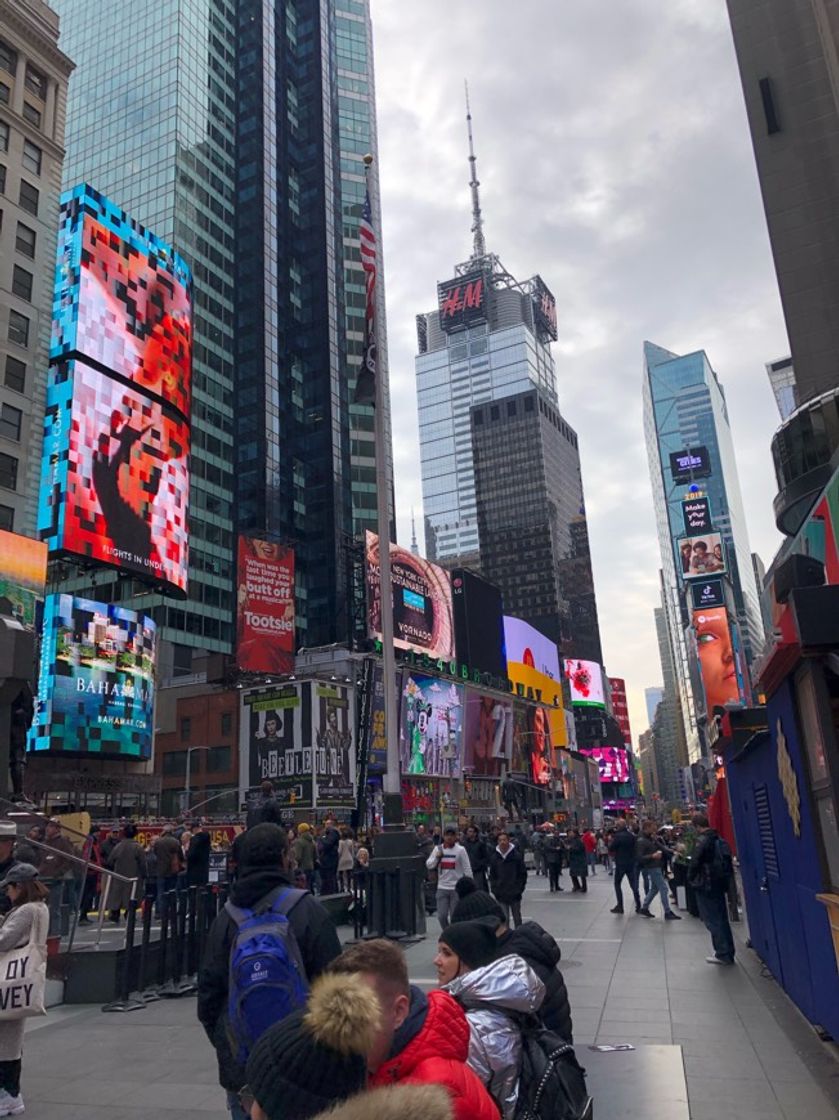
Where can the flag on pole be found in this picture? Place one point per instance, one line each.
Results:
(365, 386)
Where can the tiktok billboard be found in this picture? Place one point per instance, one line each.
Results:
(115, 474)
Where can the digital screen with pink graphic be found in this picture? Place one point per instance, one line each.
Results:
(586, 680)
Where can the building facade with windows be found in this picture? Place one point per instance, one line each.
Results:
(685, 410)
(531, 519)
(33, 97)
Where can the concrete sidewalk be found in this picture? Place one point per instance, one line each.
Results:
(711, 1043)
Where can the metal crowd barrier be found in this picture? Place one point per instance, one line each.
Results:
(166, 968)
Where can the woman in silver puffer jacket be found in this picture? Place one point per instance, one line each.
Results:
(488, 990)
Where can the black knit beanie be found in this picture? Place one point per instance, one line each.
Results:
(316, 1056)
(472, 903)
(474, 942)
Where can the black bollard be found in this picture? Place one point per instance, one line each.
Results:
(192, 932)
(168, 945)
(124, 1001)
(203, 924)
(184, 983)
(149, 993)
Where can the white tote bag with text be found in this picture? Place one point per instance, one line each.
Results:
(23, 974)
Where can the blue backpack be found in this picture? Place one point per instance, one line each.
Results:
(267, 978)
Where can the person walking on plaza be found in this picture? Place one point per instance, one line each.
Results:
(346, 860)
(28, 915)
(508, 877)
(590, 844)
(56, 871)
(478, 852)
(451, 863)
(650, 853)
(423, 1037)
(305, 854)
(129, 860)
(710, 873)
(622, 850)
(328, 857)
(169, 859)
(263, 873)
(198, 857)
(267, 809)
(577, 861)
(554, 853)
(603, 853)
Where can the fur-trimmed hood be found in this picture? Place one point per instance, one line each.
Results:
(397, 1102)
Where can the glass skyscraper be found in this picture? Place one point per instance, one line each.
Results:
(306, 463)
(685, 409)
(151, 124)
(235, 130)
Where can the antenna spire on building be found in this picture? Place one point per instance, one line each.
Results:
(414, 545)
(479, 248)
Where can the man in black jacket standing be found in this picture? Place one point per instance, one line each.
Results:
(267, 809)
(478, 853)
(710, 874)
(263, 866)
(622, 849)
(508, 876)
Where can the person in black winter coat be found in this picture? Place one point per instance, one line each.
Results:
(508, 876)
(531, 942)
(622, 849)
(328, 857)
(577, 860)
(263, 862)
(198, 858)
(554, 853)
(478, 852)
(267, 810)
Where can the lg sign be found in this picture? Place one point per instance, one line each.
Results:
(462, 302)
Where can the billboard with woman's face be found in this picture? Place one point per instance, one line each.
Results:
(717, 658)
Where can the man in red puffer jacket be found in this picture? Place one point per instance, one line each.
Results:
(423, 1038)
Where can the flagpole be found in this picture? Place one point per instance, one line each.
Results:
(391, 782)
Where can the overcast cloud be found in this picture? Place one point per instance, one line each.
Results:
(615, 160)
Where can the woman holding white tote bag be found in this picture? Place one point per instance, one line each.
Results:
(23, 955)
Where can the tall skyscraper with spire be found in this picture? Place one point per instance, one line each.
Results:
(486, 379)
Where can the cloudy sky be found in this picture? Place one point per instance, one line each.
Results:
(615, 160)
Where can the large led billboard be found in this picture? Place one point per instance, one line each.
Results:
(115, 476)
(422, 602)
(487, 733)
(544, 308)
(689, 464)
(717, 658)
(123, 299)
(696, 514)
(708, 593)
(525, 645)
(701, 556)
(463, 301)
(271, 744)
(430, 726)
(586, 681)
(95, 680)
(23, 573)
(612, 762)
(478, 623)
(265, 607)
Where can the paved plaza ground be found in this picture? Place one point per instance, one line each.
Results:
(710, 1043)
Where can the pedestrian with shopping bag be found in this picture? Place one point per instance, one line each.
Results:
(23, 973)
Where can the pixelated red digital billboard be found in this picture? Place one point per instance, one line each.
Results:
(265, 607)
(115, 476)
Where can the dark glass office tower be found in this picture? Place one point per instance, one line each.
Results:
(235, 130)
(531, 519)
(151, 124)
(306, 465)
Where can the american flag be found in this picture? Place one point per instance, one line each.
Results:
(365, 386)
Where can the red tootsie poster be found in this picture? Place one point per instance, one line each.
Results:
(265, 628)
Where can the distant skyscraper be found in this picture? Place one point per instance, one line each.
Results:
(653, 697)
(648, 764)
(669, 741)
(620, 708)
(531, 521)
(489, 337)
(237, 133)
(685, 412)
(782, 379)
(33, 95)
(788, 54)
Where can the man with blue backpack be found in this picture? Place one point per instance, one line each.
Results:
(263, 951)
